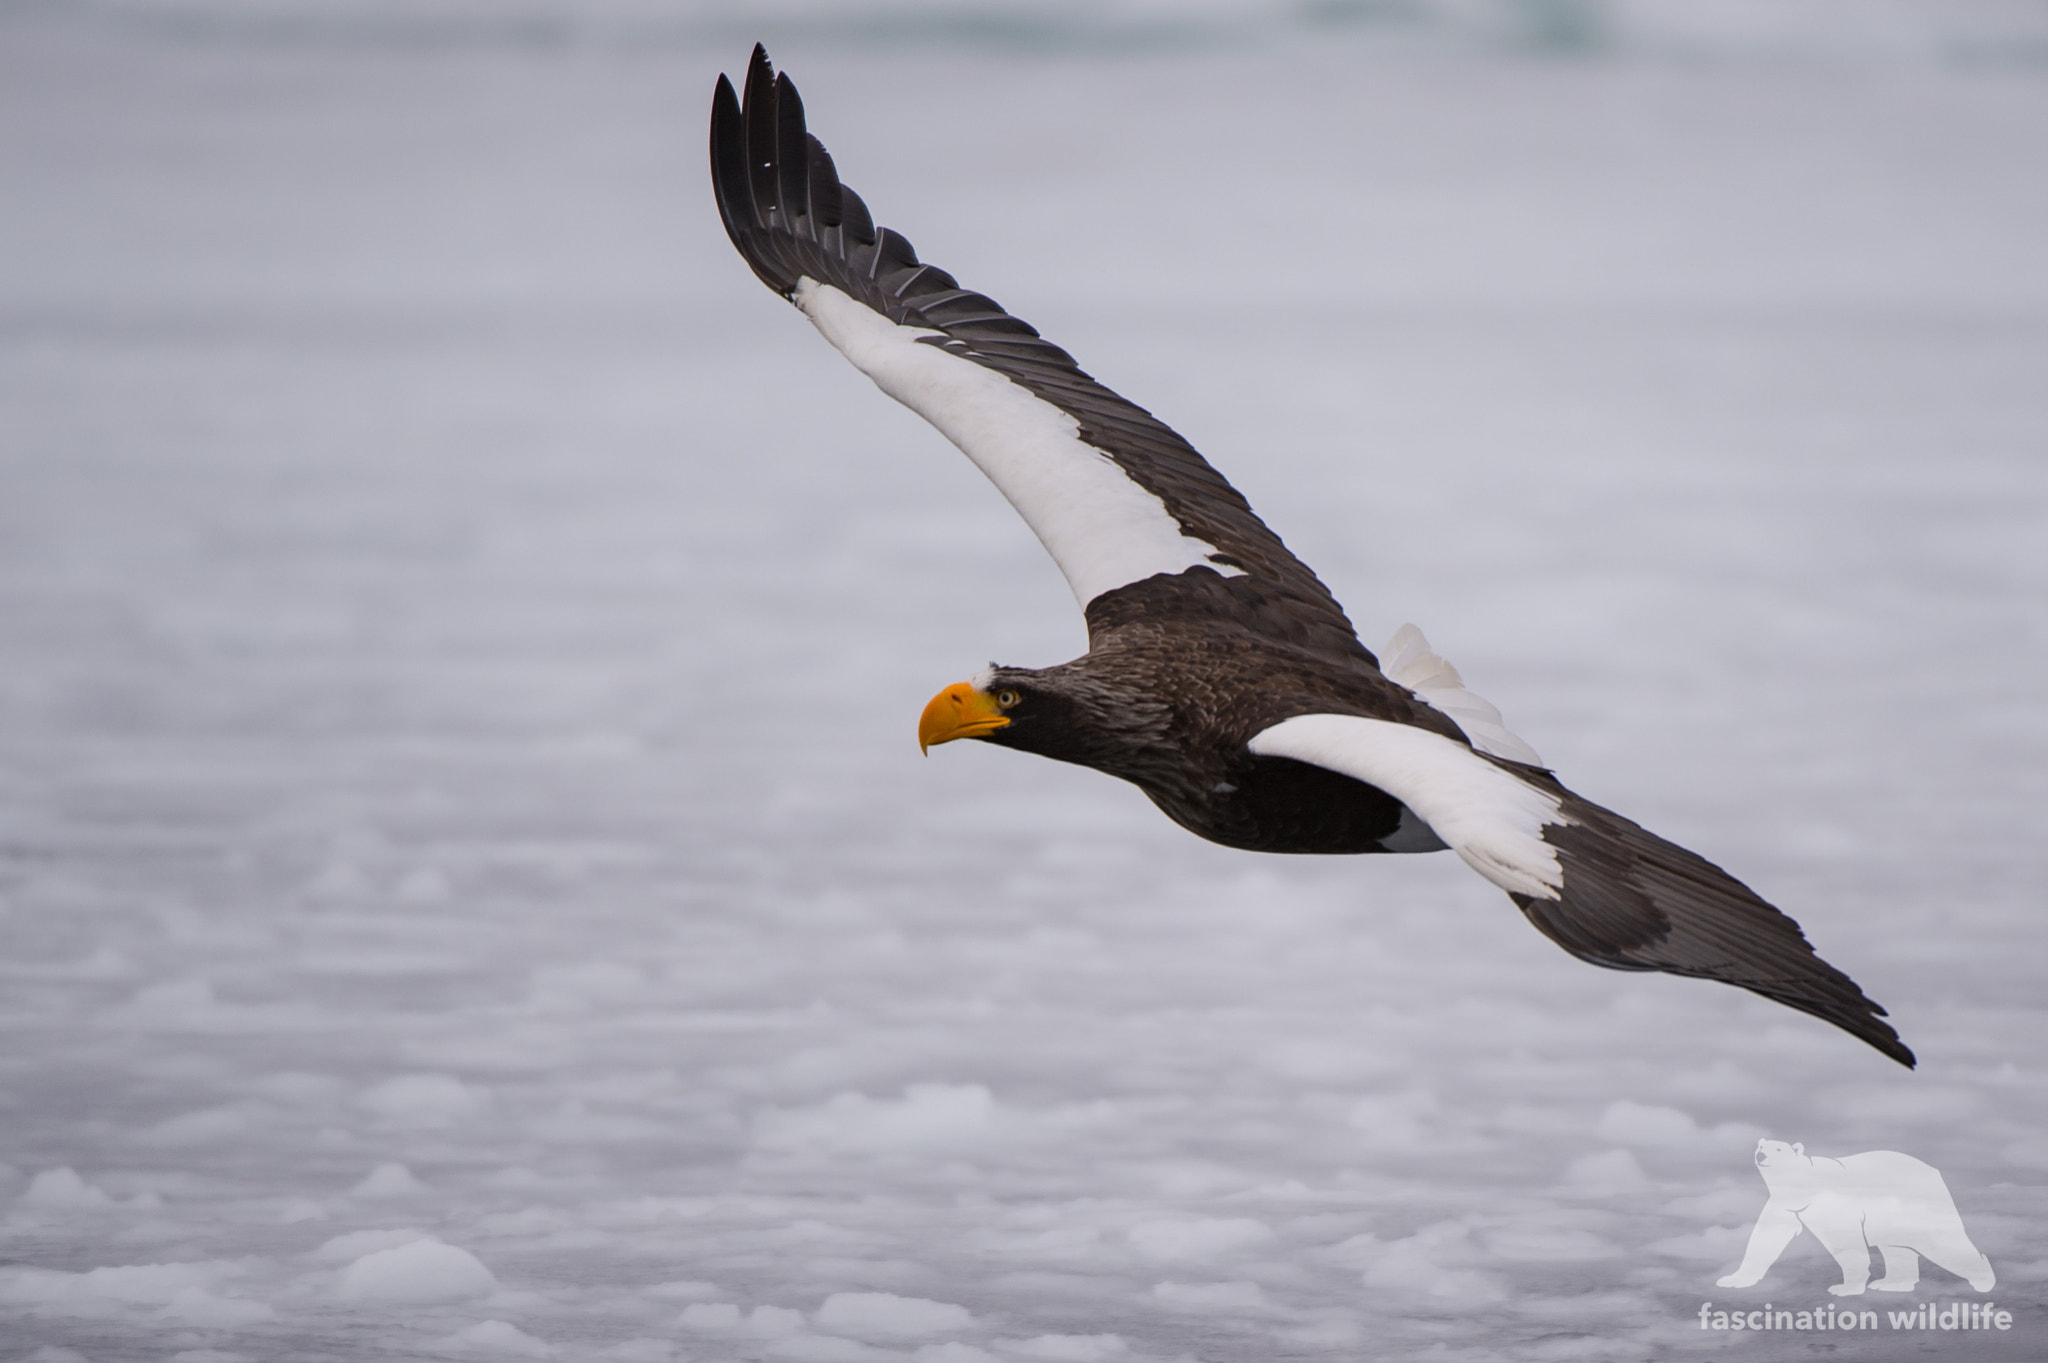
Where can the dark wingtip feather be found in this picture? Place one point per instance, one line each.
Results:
(758, 119)
(792, 162)
(824, 190)
(729, 163)
(1632, 901)
(733, 189)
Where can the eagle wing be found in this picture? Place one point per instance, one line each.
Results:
(1112, 493)
(1602, 887)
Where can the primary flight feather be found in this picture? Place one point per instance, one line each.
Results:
(1221, 677)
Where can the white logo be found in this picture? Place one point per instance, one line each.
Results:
(1879, 1199)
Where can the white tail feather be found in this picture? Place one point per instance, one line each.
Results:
(1408, 660)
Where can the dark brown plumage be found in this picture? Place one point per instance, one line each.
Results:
(1222, 678)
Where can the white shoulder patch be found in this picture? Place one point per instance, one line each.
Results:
(1101, 528)
(1488, 816)
(1407, 659)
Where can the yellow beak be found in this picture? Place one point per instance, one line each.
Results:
(959, 711)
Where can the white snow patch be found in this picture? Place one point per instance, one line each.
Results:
(204, 1127)
(1394, 1121)
(1067, 1348)
(587, 984)
(343, 1249)
(1641, 1124)
(1433, 1263)
(724, 1317)
(497, 1339)
(197, 1306)
(886, 1316)
(293, 1210)
(1728, 1203)
(1224, 1297)
(643, 1349)
(387, 1180)
(103, 963)
(1874, 1104)
(953, 1351)
(1606, 1173)
(1184, 1240)
(1538, 1241)
(774, 1322)
(1335, 1330)
(2030, 1152)
(424, 1100)
(1322, 1060)
(422, 885)
(173, 996)
(62, 1187)
(928, 1116)
(828, 1349)
(422, 1271)
(711, 1317)
(1714, 1245)
(127, 1284)
(299, 1088)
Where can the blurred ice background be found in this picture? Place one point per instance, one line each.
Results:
(467, 881)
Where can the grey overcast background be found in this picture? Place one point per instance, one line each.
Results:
(468, 884)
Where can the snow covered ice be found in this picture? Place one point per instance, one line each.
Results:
(468, 885)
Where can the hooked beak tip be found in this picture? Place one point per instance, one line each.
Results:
(959, 711)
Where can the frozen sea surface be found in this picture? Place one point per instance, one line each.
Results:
(468, 884)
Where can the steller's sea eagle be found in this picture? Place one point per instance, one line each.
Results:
(1222, 678)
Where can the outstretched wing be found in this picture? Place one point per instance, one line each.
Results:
(1114, 495)
(1598, 885)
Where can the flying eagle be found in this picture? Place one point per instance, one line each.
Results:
(1222, 678)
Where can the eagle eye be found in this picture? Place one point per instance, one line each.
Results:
(1006, 698)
